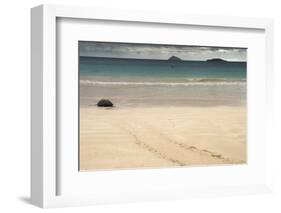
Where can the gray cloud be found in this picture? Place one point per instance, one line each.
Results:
(157, 51)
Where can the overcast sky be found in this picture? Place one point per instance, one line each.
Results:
(152, 51)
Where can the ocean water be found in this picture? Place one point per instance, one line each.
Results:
(140, 82)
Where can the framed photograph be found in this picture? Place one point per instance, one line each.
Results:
(129, 106)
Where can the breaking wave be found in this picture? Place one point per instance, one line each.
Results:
(188, 82)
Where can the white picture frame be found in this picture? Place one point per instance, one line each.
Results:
(45, 168)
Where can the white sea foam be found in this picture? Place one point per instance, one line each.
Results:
(191, 82)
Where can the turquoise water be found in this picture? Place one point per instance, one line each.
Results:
(137, 82)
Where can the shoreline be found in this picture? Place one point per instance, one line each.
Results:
(94, 106)
(154, 106)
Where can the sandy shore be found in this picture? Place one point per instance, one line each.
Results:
(161, 137)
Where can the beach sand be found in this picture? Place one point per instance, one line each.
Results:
(161, 137)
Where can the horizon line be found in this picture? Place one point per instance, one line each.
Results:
(168, 59)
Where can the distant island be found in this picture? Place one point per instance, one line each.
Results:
(174, 58)
(177, 59)
(216, 60)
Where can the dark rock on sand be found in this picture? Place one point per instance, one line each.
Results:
(104, 103)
